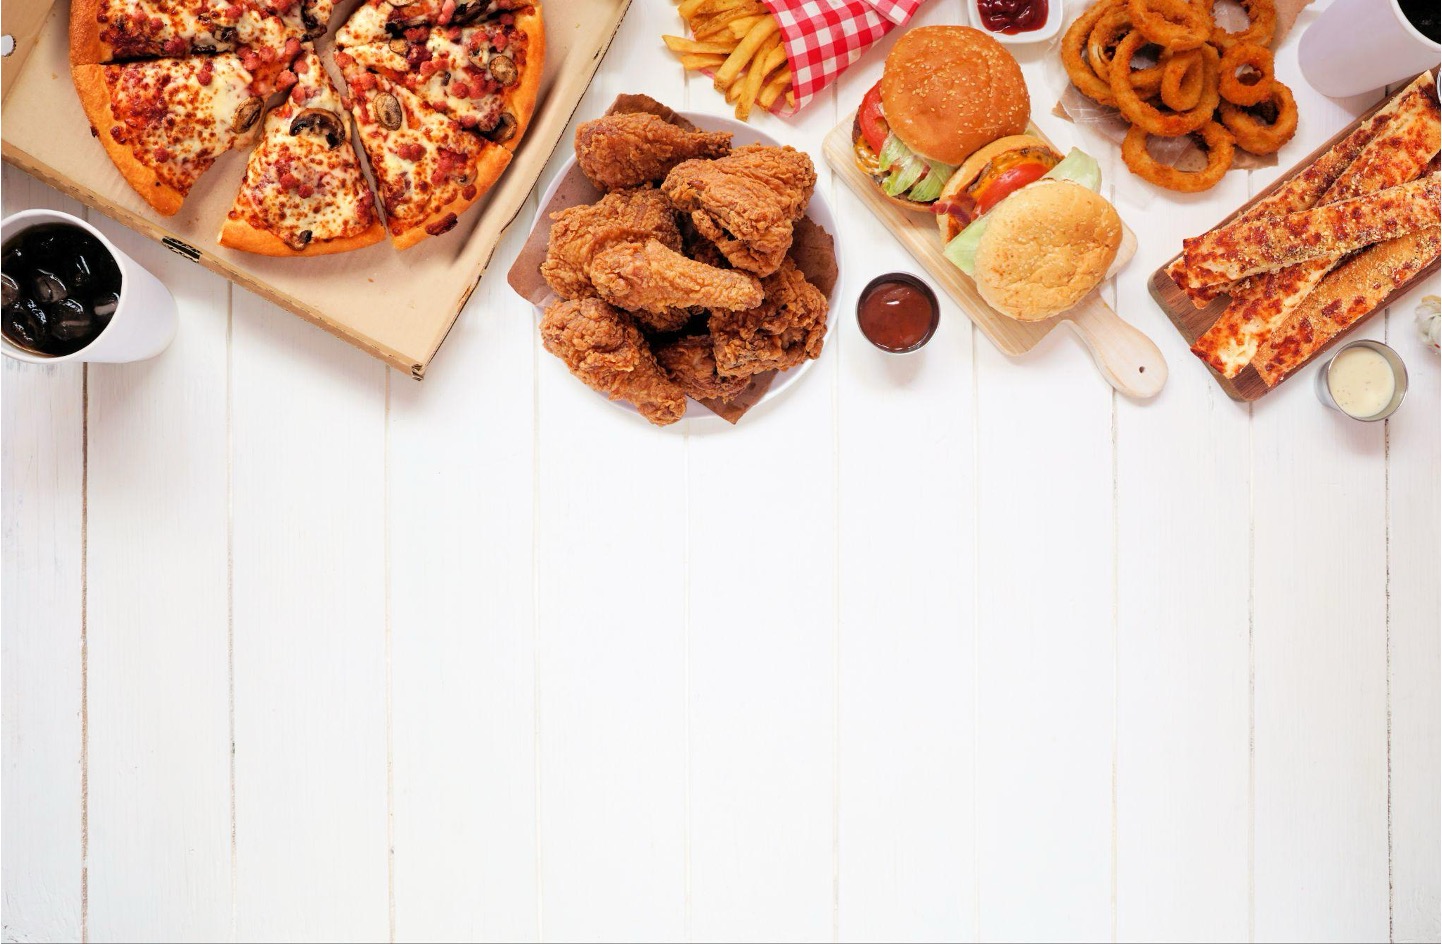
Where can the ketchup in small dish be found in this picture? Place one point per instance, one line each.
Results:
(898, 312)
(1012, 16)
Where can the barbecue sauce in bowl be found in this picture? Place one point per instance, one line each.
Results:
(1012, 16)
(898, 312)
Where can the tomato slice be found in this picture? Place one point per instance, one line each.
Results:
(873, 124)
(1007, 183)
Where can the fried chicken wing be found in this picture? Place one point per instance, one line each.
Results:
(784, 330)
(605, 349)
(691, 363)
(580, 232)
(745, 203)
(652, 278)
(629, 150)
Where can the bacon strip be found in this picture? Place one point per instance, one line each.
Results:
(1263, 303)
(1330, 230)
(1304, 189)
(1356, 288)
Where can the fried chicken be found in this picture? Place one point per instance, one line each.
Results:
(605, 349)
(747, 202)
(629, 150)
(691, 363)
(579, 233)
(655, 279)
(784, 330)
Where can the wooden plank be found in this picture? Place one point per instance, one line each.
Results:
(762, 633)
(159, 728)
(1183, 800)
(1413, 512)
(462, 628)
(1319, 643)
(40, 650)
(611, 573)
(1044, 663)
(906, 581)
(308, 506)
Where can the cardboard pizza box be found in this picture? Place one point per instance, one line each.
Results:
(397, 306)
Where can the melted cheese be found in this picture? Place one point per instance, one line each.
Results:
(163, 105)
(336, 207)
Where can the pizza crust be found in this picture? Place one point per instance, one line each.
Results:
(240, 234)
(95, 98)
(86, 47)
(488, 169)
(522, 99)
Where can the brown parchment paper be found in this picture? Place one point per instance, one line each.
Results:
(812, 249)
(1106, 123)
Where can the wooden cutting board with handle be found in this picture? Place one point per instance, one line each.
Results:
(1126, 357)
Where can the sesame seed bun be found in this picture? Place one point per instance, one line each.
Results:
(1046, 247)
(948, 90)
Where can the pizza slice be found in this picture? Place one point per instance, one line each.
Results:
(165, 121)
(377, 21)
(428, 169)
(116, 30)
(486, 76)
(304, 193)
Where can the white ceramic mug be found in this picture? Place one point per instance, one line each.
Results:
(1357, 46)
(144, 321)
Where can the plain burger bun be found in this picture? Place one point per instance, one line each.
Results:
(948, 90)
(1045, 248)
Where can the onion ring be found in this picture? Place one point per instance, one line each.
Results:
(1073, 55)
(1102, 45)
(1178, 25)
(1259, 60)
(1149, 117)
(1182, 80)
(1219, 146)
(1261, 25)
(1254, 132)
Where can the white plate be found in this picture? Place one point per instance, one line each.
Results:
(818, 209)
(1050, 28)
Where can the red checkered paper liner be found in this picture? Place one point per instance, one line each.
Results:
(824, 37)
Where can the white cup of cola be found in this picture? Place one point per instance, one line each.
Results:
(71, 295)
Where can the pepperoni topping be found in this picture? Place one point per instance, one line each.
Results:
(175, 47)
(448, 10)
(292, 48)
(306, 191)
(161, 154)
(416, 34)
(206, 74)
(285, 80)
(301, 67)
(289, 181)
(469, 193)
(411, 152)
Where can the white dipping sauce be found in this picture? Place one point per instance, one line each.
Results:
(1361, 382)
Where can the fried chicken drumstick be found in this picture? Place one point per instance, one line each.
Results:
(628, 150)
(747, 202)
(784, 330)
(656, 279)
(605, 349)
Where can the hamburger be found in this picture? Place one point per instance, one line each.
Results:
(1041, 250)
(945, 92)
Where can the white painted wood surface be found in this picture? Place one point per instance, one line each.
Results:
(951, 647)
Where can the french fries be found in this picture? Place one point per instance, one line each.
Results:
(739, 43)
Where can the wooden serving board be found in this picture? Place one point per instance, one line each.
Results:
(1193, 322)
(1127, 358)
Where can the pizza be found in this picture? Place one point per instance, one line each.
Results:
(428, 169)
(165, 121)
(304, 193)
(480, 64)
(441, 93)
